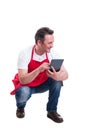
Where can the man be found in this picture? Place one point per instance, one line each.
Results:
(34, 75)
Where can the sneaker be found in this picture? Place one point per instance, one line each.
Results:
(55, 117)
(20, 112)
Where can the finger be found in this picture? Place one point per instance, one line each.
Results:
(49, 72)
(53, 69)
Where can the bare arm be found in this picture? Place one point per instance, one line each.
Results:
(26, 77)
(61, 75)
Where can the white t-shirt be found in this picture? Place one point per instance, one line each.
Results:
(25, 57)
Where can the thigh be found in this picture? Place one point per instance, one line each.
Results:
(42, 88)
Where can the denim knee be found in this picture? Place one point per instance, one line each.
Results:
(23, 94)
(59, 85)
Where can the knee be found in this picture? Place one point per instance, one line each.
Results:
(58, 86)
(60, 83)
(23, 93)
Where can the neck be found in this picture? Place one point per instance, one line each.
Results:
(38, 50)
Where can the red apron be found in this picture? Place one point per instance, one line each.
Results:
(41, 78)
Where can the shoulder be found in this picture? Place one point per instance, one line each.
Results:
(25, 52)
(24, 58)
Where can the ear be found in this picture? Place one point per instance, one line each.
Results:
(39, 42)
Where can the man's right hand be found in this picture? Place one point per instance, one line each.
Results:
(44, 66)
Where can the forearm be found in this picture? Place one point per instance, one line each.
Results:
(62, 76)
(29, 77)
(26, 77)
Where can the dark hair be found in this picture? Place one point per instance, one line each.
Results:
(40, 34)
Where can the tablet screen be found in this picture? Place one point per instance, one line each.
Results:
(56, 63)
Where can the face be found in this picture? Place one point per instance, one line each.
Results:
(47, 44)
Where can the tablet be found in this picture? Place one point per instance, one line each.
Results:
(56, 63)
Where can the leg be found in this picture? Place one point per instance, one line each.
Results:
(22, 95)
(54, 93)
(54, 88)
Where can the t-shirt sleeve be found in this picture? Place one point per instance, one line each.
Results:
(23, 59)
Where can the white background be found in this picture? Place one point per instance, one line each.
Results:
(19, 20)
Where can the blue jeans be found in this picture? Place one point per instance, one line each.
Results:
(24, 93)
